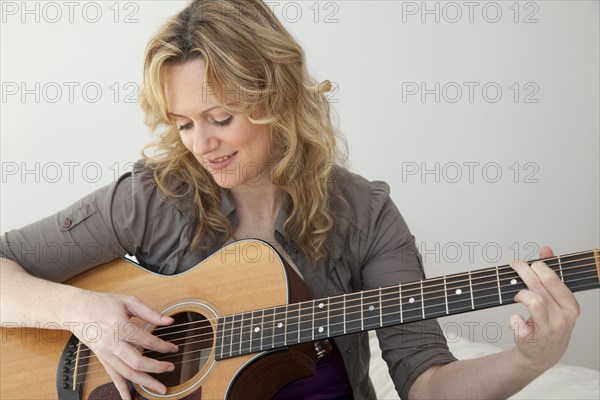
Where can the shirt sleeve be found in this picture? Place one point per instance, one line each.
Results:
(129, 216)
(390, 256)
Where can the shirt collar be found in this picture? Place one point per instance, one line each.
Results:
(227, 206)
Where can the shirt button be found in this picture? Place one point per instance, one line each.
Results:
(349, 350)
(295, 250)
(67, 223)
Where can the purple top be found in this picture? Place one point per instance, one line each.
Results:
(330, 381)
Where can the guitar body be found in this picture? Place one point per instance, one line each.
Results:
(243, 276)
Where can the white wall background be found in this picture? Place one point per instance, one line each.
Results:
(509, 171)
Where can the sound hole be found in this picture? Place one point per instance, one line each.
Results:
(194, 336)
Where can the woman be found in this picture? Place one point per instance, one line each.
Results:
(248, 150)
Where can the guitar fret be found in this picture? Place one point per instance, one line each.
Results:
(267, 329)
(279, 324)
(390, 306)
(307, 323)
(292, 324)
(422, 302)
(299, 324)
(321, 309)
(251, 330)
(484, 288)
(236, 334)
(512, 285)
(413, 308)
(254, 330)
(312, 331)
(498, 280)
(344, 301)
(446, 295)
(400, 295)
(228, 335)
(262, 328)
(362, 317)
(328, 320)
(380, 309)
(221, 326)
(246, 333)
(354, 312)
(337, 312)
(433, 305)
(240, 334)
(371, 309)
(562, 278)
(285, 332)
(471, 290)
(273, 328)
(273, 331)
(458, 299)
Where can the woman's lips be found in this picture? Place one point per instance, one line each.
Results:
(221, 162)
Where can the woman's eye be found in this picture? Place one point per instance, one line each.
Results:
(185, 126)
(224, 122)
(190, 125)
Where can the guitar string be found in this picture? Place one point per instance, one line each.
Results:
(205, 357)
(353, 309)
(271, 324)
(359, 308)
(104, 376)
(376, 296)
(299, 332)
(404, 294)
(507, 270)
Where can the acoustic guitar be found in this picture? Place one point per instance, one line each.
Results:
(245, 324)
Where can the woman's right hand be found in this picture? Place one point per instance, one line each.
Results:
(116, 336)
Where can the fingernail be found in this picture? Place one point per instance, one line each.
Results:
(162, 390)
(172, 368)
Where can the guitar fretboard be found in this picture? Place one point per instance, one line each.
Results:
(290, 324)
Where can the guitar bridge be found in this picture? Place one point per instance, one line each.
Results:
(71, 367)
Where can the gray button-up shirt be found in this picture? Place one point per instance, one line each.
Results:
(369, 247)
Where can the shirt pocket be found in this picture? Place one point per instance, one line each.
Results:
(77, 216)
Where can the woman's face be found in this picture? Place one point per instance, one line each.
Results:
(230, 147)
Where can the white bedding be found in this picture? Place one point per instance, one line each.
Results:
(560, 382)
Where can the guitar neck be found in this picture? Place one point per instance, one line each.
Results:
(318, 319)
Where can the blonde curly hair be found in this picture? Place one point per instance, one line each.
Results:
(248, 52)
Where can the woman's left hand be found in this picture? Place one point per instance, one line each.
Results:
(542, 339)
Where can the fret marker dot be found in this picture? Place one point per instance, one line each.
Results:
(321, 329)
(513, 281)
(371, 307)
(280, 325)
(257, 329)
(458, 291)
(321, 305)
(411, 300)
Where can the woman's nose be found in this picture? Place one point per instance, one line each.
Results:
(204, 141)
